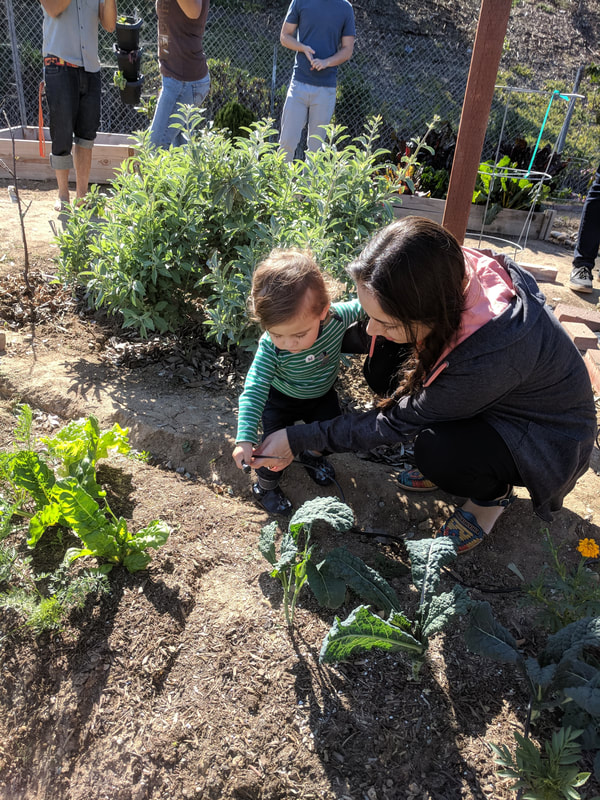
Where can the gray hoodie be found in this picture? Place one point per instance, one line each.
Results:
(520, 373)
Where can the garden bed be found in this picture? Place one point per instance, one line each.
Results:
(184, 682)
(110, 150)
(508, 222)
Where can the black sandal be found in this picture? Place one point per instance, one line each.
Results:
(319, 469)
(272, 500)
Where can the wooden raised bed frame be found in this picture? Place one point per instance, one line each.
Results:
(110, 150)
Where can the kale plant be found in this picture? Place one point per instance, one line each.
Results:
(328, 576)
(364, 630)
(564, 679)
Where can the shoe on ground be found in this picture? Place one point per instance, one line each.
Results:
(413, 480)
(272, 500)
(581, 279)
(463, 529)
(319, 469)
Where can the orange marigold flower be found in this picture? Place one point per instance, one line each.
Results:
(588, 548)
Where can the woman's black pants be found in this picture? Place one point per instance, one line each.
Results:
(467, 458)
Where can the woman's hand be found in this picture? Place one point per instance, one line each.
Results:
(277, 448)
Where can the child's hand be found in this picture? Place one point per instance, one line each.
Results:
(242, 454)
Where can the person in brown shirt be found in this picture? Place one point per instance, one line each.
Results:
(183, 67)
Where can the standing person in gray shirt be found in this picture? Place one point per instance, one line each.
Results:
(72, 77)
(322, 33)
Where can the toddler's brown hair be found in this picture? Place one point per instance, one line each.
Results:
(280, 285)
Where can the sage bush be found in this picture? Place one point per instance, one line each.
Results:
(182, 230)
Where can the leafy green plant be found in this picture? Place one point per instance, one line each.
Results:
(231, 83)
(564, 678)
(433, 182)
(147, 106)
(364, 630)
(291, 566)
(564, 594)
(548, 775)
(119, 80)
(500, 185)
(401, 177)
(44, 608)
(61, 483)
(234, 117)
(181, 235)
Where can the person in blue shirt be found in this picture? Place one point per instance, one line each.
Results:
(322, 33)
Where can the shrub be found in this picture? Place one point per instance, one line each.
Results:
(234, 117)
(229, 83)
(185, 227)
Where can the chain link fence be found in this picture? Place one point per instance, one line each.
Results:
(404, 76)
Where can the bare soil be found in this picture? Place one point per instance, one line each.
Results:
(184, 681)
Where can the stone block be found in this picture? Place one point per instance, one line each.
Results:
(592, 362)
(541, 273)
(583, 337)
(569, 313)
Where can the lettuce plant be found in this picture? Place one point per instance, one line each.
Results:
(60, 482)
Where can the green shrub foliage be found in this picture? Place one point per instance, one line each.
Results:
(184, 228)
(235, 117)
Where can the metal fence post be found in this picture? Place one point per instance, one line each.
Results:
(560, 144)
(12, 32)
(273, 80)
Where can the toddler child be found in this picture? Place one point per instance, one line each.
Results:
(296, 363)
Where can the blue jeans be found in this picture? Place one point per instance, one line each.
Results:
(588, 239)
(173, 94)
(302, 101)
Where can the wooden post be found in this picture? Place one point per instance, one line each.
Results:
(487, 51)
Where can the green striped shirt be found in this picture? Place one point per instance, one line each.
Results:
(308, 374)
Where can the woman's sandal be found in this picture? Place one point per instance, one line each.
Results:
(464, 529)
(413, 480)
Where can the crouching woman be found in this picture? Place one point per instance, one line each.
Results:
(494, 395)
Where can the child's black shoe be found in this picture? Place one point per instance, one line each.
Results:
(319, 469)
(272, 500)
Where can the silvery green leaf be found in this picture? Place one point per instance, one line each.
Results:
(328, 588)
(363, 631)
(427, 557)
(326, 509)
(485, 635)
(513, 568)
(366, 582)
